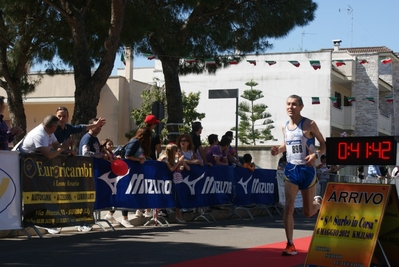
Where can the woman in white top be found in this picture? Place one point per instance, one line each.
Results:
(186, 147)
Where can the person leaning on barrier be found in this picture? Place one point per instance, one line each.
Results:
(65, 130)
(42, 139)
(6, 135)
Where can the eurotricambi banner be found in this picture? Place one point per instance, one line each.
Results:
(58, 192)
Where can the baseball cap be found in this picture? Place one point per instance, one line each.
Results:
(151, 119)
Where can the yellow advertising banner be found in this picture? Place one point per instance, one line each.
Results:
(348, 225)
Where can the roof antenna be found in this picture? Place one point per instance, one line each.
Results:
(350, 12)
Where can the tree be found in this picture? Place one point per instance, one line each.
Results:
(92, 36)
(155, 93)
(203, 29)
(25, 36)
(249, 113)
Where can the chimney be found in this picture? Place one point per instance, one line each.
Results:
(336, 43)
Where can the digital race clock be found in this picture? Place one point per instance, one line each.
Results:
(375, 150)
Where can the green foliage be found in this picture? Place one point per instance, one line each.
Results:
(249, 113)
(155, 93)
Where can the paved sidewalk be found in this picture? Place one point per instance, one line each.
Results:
(217, 213)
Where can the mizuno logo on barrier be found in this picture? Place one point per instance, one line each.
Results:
(139, 185)
(257, 186)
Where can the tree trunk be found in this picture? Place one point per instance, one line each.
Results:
(16, 108)
(170, 68)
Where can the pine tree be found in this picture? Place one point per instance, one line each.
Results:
(250, 113)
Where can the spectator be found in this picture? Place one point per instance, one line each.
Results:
(175, 163)
(6, 135)
(138, 149)
(212, 140)
(186, 147)
(42, 139)
(151, 122)
(374, 172)
(218, 153)
(106, 146)
(233, 160)
(324, 173)
(196, 137)
(89, 146)
(65, 130)
(248, 162)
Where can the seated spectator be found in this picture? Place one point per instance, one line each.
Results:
(175, 163)
(41, 139)
(186, 147)
(6, 135)
(217, 155)
(248, 162)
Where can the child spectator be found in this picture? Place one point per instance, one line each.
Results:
(186, 147)
(248, 162)
(175, 163)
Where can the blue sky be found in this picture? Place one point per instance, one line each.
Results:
(358, 23)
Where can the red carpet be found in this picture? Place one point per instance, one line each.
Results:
(266, 255)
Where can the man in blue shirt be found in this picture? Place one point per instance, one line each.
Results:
(64, 129)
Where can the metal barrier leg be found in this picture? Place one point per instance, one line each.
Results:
(241, 208)
(203, 215)
(155, 220)
(97, 220)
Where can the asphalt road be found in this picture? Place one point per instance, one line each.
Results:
(148, 245)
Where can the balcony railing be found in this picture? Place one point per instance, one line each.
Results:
(344, 118)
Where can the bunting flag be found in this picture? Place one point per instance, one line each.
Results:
(150, 56)
(315, 64)
(272, 62)
(295, 63)
(371, 99)
(389, 98)
(233, 62)
(351, 99)
(386, 60)
(210, 61)
(190, 60)
(339, 63)
(315, 100)
(363, 61)
(253, 62)
(123, 59)
(334, 101)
